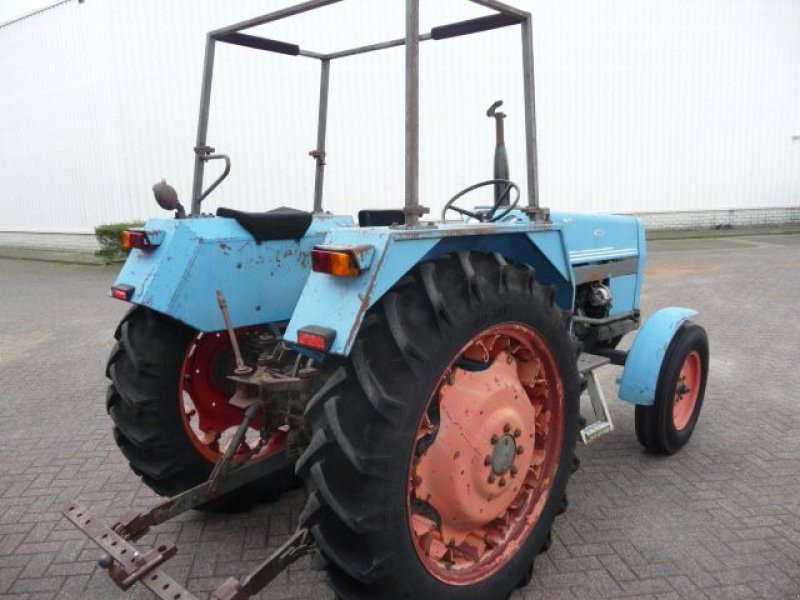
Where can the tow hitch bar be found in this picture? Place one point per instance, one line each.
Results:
(126, 565)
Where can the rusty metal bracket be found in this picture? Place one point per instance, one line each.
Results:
(319, 156)
(299, 544)
(133, 526)
(123, 561)
(126, 565)
(222, 468)
(204, 150)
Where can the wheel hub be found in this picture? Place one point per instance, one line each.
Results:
(480, 413)
(503, 456)
(686, 390)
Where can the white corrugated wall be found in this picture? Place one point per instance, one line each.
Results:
(644, 106)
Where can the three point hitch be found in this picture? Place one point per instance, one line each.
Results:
(278, 393)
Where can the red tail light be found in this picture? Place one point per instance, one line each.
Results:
(316, 338)
(122, 292)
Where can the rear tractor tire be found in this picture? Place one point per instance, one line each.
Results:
(168, 401)
(442, 446)
(666, 426)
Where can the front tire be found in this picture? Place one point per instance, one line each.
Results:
(667, 425)
(385, 437)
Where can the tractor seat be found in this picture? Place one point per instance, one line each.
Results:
(380, 218)
(278, 224)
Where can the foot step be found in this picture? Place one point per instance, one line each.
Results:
(591, 432)
(603, 424)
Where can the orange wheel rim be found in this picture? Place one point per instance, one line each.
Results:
(486, 454)
(687, 390)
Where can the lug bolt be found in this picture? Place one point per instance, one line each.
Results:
(502, 482)
(514, 471)
(495, 439)
(488, 460)
(506, 428)
(520, 449)
(491, 479)
(517, 432)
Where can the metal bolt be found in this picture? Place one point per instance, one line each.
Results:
(520, 449)
(502, 482)
(495, 439)
(488, 460)
(491, 479)
(105, 561)
(417, 480)
(506, 428)
(514, 471)
(517, 432)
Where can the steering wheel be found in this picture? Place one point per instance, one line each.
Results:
(491, 215)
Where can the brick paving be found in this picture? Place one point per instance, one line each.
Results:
(719, 520)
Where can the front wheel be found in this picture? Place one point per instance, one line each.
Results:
(666, 426)
(442, 448)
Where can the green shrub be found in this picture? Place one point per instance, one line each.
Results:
(108, 236)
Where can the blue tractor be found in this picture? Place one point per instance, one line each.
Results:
(421, 379)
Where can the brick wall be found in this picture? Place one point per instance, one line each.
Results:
(721, 219)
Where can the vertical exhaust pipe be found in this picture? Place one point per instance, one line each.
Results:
(501, 170)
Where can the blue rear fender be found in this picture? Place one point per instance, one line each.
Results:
(340, 303)
(261, 281)
(643, 365)
(552, 249)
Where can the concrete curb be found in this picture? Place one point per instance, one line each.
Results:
(61, 256)
(680, 234)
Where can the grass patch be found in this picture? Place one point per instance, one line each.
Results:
(108, 236)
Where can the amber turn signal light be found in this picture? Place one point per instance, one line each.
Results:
(341, 263)
(132, 238)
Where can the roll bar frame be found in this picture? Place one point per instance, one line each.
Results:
(504, 16)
